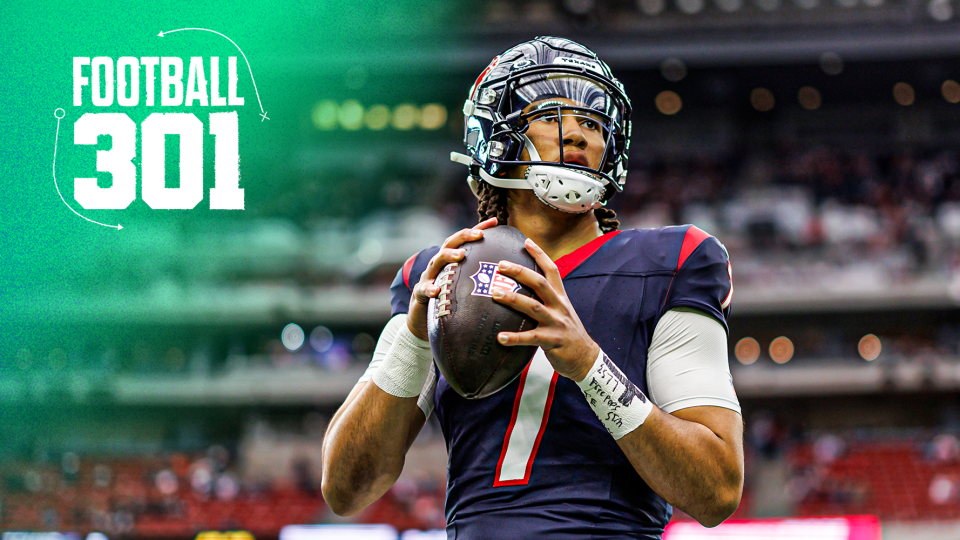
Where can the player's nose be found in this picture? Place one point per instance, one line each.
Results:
(573, 134)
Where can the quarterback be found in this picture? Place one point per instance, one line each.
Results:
(628, 408)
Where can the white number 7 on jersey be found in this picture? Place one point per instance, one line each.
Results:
(531, 409)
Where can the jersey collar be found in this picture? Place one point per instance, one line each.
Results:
(569, 262)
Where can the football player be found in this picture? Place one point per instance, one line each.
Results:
(628, 407)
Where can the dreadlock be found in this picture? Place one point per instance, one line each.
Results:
(607, 219)
(493, 202)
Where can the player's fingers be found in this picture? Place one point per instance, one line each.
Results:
(531, 279)
(469, 235)
(461, 237)
(550, 270)
(524, 304)
(530, 337)
(424, 291)
(443, 257)
(487, 223)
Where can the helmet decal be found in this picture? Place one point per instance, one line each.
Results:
(482, 75)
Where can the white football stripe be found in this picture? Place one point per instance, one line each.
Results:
(530, 413)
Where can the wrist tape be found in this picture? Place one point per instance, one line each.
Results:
(618, 403)
(406, 365)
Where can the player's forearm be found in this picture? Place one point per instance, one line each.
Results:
(364, 449)
(689, 465)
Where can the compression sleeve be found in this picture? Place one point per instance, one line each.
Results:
(387, 337)
(687, 363)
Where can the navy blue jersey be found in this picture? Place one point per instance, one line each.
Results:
(533, 460)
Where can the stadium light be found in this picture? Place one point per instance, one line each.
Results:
(324, 115)
(433, 116)
(321, 339)
(781, 350)
(351, 115)
(652, 7)
(869, 347)
(762, 99)
(690, 7)
(668, 103)
(809, 98)
(292, 337)
(940, 10)
(405, 117)
(377, 117)
(747, 351)
(903, 94)
(951, 91)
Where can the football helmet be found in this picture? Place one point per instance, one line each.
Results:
(514, 91)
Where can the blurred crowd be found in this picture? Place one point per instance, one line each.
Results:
(177, 494)
(904, 475)
(792, 198)
(264, 479)
(896, 474)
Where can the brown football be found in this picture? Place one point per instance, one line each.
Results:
(463, 320)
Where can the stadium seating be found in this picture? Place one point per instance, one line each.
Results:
(889, 478)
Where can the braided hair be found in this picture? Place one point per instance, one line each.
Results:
(493, 203)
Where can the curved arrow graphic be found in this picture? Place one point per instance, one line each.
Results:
(263, 113)
(58, 114)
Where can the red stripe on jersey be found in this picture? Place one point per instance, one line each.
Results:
(691, 241)
(569, 262)
(406, 270)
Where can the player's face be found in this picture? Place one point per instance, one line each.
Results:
(583, 136)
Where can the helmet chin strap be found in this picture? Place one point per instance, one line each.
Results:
(560, 188)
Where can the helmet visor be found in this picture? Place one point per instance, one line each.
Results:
(553, 111)
(584, 92)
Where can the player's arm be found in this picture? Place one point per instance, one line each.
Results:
(368, 437)
(694, 459)
(689, 449)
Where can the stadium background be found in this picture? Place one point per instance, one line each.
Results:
(151, 383)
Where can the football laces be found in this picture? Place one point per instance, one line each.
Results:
(443, 282)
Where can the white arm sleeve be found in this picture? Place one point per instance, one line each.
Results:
(687, 363)
(387, 337)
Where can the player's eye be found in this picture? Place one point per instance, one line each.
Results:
(548, 117)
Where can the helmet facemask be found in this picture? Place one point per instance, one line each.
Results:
(514, 99)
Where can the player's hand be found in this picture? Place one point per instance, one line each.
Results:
(424, 290)
(560, 333)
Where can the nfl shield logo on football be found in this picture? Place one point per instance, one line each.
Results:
(488, 277)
